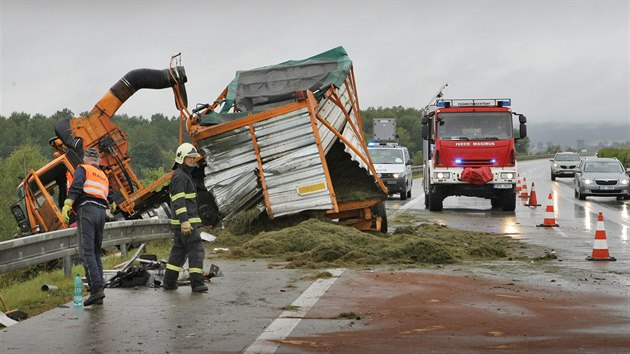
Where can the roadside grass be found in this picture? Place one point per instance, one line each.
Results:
(21, 289)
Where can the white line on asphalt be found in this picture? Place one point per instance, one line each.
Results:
(281, 327)
(409, 204)
(556, 229)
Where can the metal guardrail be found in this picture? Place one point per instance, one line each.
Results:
(31, 250)
(417, 169)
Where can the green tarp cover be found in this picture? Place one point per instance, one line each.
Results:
(272, 86)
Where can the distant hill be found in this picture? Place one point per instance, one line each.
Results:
(566, 135)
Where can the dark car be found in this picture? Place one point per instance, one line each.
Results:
(602, 177)
(564, 164)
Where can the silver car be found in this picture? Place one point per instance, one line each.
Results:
(602, 177)
(564, 164)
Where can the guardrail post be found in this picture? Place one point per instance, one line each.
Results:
(123, 249)
(67, 266)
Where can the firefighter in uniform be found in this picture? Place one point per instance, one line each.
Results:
(185, 221)
(88, 197)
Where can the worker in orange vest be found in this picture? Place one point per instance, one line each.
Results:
(88, 197)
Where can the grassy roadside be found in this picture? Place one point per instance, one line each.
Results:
(21, 289)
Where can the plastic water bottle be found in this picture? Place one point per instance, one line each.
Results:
(78, 291)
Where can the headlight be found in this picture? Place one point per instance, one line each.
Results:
(395, 175)
(587, 181)
(624, 182)
(555, 164)
(507, 175)
(442, 175)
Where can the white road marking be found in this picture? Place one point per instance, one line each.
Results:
(557, 229)
(282, 326)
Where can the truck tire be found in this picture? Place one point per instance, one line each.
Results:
(508, 202)
(403, 193)
(379, 210)
(434, 200)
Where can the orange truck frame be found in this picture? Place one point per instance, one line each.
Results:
(41, 193)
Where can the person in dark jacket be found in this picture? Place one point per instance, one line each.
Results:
(186, 222)
(88, 197)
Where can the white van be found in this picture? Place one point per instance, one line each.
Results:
(393, 165)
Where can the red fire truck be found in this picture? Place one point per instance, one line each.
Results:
(469, 150)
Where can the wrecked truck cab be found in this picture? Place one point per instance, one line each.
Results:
(289, 138)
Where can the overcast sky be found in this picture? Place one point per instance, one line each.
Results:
(559, 61)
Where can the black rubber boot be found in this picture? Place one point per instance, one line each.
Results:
(94, 298)
(170, 280)
(196, 283)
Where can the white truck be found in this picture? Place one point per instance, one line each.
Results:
(391, 161)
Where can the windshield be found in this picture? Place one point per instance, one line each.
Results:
(568, 157)
(386, 156)
(474, 126)
(602, 167)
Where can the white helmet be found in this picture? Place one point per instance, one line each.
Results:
(185, 150)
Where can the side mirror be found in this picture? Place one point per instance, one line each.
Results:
(551, 160)
(409, 162)
(522, 130)
(425, 131)
(522, 119)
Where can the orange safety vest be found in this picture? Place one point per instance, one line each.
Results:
(96, 183)
(69, 178)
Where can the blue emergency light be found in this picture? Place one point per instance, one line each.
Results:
(458, 161)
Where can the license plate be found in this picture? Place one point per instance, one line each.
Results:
(607, 188)
(503, 186)
(391, 182)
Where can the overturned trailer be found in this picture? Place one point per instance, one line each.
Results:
(288, 138)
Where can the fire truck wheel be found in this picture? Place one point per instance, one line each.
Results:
(509, 201)
(434, 200)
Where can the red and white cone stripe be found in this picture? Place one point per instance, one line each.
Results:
(600, 245)
(524, 193)
(550, 218)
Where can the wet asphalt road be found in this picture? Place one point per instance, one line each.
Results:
(251, 301)
(572, 240)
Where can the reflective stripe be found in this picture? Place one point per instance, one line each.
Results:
(174, 222)
(96, 183)
(194, 219)
(181, 210)
(177, 196)
(191, 195)
(173, 267)
(194, 270)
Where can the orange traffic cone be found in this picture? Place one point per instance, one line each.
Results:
(600, 246)
(550, 219)
(518, 183)
(533, 202)
(524, 188)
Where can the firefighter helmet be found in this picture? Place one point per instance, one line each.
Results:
(185, 150)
